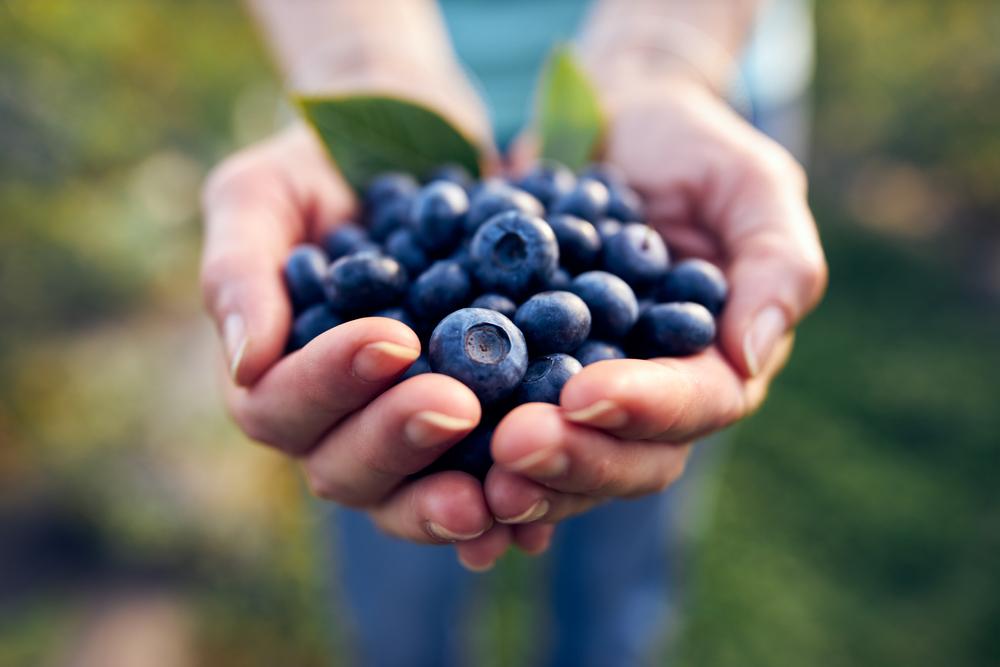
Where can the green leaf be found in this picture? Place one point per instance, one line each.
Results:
(370, 134)
(570, 121)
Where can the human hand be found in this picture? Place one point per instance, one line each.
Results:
(717, 189)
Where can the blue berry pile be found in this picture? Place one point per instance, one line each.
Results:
(513, 286)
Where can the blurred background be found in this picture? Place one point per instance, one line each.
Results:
(855, 520)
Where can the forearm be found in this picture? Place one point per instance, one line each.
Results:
(625, 42)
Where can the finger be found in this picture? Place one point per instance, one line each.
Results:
(444, 508)
(311, 390)
(535, 441)
(519, 501)
(671, 400)
(482, 553)
(533, 539)
(399, 433)
(776, 270)
(523, 153)
(257, 205)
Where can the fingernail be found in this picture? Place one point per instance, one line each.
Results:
(602, 414)
(542, 463)
(429, 429)
(533, 513)
(234, 337)
(440, 532)
(383, 360)
(758, 343)
(476, 568)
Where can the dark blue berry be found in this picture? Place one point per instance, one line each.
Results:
(514, 253)
(387, 217)
(496, 198)
(547, 182)
(560, 280)
(579, 242)
(470, 455)
(588, 200)
(545, 378)
(453, 173)
(497, 302)
(437, 215)
(365, 282)
(607, 227)
(398, 314)
(402, 245)
(638, 255)
(612, 303)
(625, 204)
(593, 351)
(346, 239)
(482, 349)
(390, 185)
(304, 273)
(605, 172)
(698, 281)
(673, 330)
(419, 367)
(311, 323)
(553, 322)
(439, 290)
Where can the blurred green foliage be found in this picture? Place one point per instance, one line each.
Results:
(856, 520)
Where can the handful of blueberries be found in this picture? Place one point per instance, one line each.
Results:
(513, 287)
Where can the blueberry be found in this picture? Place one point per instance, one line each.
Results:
(304, 272)
(593, 351)
(625, 204)
(609, 174)
(402, 245)
(387, 217)
(418, 367)
(452, 173)
(346, 240)
(547, 182)
(612, 303)
(698, 281)
(496, 198)
(553, 322)
(560, 280)
(514, 253)
(365, 282)
(607, 227)
(312, 323)
(637, 254)
(398, 314)
(588, 200)
(437, 215)
(439, 290)
(481, 348)
(497, 302)
(545, 378)
(579, 242)
(388, 186)
(463, 257)
(673, 330)
(646, 304)
(471, 454)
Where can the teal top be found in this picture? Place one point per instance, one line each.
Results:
(503, 45)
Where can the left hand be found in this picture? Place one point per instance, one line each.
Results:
(715, 188)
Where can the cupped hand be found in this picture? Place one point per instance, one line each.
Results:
(715, 188)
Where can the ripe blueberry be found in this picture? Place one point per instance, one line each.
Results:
(389, 185)
(637, 254)
(607, 227)
(497, 302)
(388, 216)
(698, 281)
(593, 351)
(365, 282)
(471, 454)
(482, 349)
(346, 240)
(579, 242)
(437, 214)
(625, 204)
(439, 290)
(545, 378)
(418, 367)
(402, 245)
(548, 181)
(311, 323)
(496, 198)
(612, 303)
(588, 200)
(673, 330)
(610, 175)
(514, 253)
(304, 272)
(453, 173)
(560, 280)
(553, 322)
